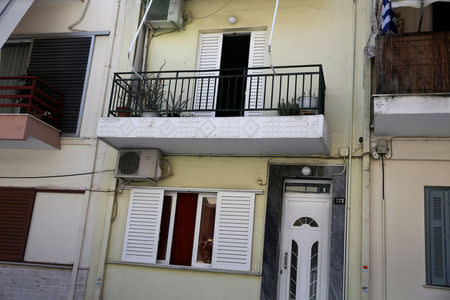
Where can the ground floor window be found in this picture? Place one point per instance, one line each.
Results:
(437, 235)
(205, 230)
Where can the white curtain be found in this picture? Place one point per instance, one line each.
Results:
(413, 3)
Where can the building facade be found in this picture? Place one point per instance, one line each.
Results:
(55, 63)
(409, 216)
(260, 194)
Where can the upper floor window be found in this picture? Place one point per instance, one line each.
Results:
(60, 62)
(437, 235)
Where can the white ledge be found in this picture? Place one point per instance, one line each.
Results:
(121, 262)
(265, 135)
(412, 115)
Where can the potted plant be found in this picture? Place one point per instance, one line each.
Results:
(151, 96)
(176, 106)
(290, 108)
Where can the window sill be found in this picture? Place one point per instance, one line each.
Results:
(121, 262)
(38, 265)
(447, 288)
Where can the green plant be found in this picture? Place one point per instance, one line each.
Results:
(290, 108)
(176, 104)
(151, 93)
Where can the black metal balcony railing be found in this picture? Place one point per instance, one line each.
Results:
(288, 90)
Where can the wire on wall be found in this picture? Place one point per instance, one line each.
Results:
(86, 6)
(213, 13)
(55, 176)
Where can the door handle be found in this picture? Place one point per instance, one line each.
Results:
(285, 260)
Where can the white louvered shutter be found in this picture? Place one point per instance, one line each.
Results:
(233, 231)
(143, 223)
(209, 55)
(255, 85)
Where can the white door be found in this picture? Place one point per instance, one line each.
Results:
(209, 56)
(304, 252)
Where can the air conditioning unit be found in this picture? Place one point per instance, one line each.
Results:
(166, 14)
(138, 164)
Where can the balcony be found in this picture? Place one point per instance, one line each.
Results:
(30, 113)
(228, 111)
(413, 85)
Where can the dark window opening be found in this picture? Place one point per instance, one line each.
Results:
(16, 207)
(441, 16)
(62, 63)
(184, 228)
(232, 88)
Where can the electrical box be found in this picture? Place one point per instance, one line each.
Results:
(166, 14)
(138, 164)
(382, 146)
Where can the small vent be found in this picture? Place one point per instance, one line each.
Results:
(129, 163)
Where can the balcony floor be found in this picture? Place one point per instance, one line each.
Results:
(21, 131)
(412, 115)
(275, 135)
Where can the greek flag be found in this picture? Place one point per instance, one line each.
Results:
(388, 25)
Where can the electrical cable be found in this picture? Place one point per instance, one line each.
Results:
(55, 176)
(71, 27)
(213, 13)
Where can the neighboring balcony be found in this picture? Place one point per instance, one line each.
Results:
(412, 85)
(30, 113)
(229, 111)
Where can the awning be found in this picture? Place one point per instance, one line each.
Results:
(413, 3)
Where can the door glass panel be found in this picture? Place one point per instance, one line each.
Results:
(313, 272)
(293, 273)
(206, 234)
(305, 221)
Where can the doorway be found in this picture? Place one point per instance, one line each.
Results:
(304, 244)
(233, 68)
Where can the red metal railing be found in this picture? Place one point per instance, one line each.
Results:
(31, 95)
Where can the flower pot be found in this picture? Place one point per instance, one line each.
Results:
(123, 111)
(308, 102)
(150, 114)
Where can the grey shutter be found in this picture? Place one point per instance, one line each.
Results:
(62, 63)
(435, 229)
(13, 62)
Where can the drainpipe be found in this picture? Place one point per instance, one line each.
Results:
(350, 157)
(108, 61)
(365, 205)
(138, 63)
(105, 244)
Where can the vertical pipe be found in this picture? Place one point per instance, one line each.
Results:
(350, 155)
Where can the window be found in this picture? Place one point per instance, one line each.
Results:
(61, 62)
(16, 206)
(203, 230)
(38, 226)
(437, 235)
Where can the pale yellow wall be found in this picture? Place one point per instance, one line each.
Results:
(306, 32)
(132, 282)
(415, 164)
(57, 16)
(217, 173)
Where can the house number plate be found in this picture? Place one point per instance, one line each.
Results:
(339, 200)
